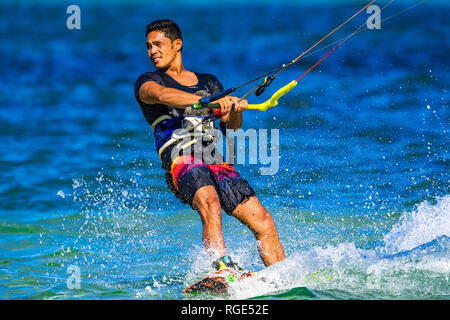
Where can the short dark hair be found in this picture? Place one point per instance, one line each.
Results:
(166, 26)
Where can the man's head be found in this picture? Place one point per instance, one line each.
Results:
(164, 42)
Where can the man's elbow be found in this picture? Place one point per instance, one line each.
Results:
(145, 97)
(148, 93)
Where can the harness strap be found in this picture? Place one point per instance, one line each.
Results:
(159, 120)
(188, 123)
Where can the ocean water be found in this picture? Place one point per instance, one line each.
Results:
(361, 198)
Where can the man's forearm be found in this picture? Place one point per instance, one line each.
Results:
(177, 98)
(153, 94)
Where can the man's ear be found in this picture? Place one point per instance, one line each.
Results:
(178, 43)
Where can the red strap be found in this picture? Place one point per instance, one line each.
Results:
(218, 113)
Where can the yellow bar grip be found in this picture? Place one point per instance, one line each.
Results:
(273, 101)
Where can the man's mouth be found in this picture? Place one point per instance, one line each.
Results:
(156, 59)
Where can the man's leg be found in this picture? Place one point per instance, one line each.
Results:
(206, 202)
(258, 219)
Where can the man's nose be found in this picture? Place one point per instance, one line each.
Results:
(153, 50)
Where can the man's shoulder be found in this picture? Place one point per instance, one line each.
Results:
(211, 82)
(149, 76)
(146, 77)
(207, 76)
(154, 76)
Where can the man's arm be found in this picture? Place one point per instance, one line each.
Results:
(233, 116)
(150, 92)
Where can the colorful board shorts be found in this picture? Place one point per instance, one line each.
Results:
(188, 176)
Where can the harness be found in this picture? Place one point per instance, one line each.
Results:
(169, 130)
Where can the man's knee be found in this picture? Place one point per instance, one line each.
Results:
(206, 202)
(264, 226)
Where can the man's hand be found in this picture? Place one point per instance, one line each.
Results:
(231, 109)
(231, 103)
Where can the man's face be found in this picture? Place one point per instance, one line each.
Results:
(161, 50)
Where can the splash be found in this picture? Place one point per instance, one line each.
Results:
(413, 262)
(426, 223)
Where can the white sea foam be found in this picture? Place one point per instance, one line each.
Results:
(414, 262)
(420, 226)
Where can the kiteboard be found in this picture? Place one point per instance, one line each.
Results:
(218, 281)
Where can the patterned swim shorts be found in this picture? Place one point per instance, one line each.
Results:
(188, 175)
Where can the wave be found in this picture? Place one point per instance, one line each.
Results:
(423, 225)
(413, 263)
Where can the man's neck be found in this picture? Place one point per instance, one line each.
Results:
(176, 68)
(175, 71)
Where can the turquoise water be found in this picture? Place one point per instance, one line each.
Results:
(361, 199)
